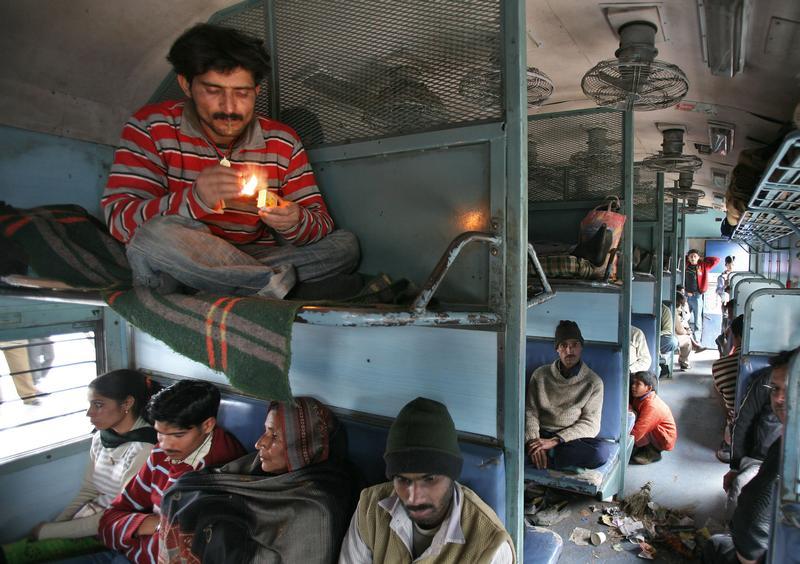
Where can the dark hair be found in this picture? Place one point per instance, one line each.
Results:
(119, 384)
(206, 47)
(185, 404)
(646, 377)
(729, 259)
(695, 251)
(737, 326)
(679, 298)
(783, 358)
(679, 288)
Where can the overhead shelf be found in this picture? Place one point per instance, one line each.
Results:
(774, 209)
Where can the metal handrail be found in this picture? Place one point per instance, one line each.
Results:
(547, 292)
(447, 259)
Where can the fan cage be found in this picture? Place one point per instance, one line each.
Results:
(635, 85)
(553, 141)
(665, 163)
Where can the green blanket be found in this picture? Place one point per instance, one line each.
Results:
(247, 338)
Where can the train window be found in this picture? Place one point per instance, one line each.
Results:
(43, 387)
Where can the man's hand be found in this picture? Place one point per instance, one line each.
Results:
(282, 217)
(216, 184)
(537, 450)
(727, 479)
(148, 526)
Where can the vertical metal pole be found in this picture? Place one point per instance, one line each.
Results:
(272, 48)
(658, 248)
(516, 244)
(682, 254)
(627, 278)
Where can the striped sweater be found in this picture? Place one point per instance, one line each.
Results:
(162, 152)
(108, 471)
(142, 497)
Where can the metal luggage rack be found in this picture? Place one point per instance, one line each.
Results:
(774, 209)
(372, 315)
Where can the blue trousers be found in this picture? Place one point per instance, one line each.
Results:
(668, 344)
(696, 302)
(582, 453)
(185, 250)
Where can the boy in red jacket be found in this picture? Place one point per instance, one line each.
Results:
(185, 418)
(655, 429)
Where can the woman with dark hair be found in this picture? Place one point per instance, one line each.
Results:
(120, 446)
(289, 501)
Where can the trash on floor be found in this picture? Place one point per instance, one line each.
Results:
(581, 536)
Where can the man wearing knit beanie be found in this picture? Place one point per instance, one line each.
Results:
(563, 407)
(424, 512)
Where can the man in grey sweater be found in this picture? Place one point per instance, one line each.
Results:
(563, 408)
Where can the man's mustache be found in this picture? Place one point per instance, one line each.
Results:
(418, 507)
(223, 115)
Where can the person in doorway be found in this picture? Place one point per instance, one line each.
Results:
(424, 514)
(121, 445)
(185, 418)
(176, 192)
(654, 430)
(639, 358)
(696, 284)
(750, 527)
(755, 428)
(722, 281)
(563, 408)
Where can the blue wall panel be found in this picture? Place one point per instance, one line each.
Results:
(596, 313)
(38, 169)
(643, 296)
(375, 369)
(39, 489)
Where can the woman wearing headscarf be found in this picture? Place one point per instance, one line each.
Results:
(289, 501)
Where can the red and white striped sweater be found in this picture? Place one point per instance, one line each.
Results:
(162, 152)
(142, 497)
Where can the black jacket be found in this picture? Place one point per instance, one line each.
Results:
(751, 523)
(756, 426)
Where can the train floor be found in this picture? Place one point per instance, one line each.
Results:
(687, 479)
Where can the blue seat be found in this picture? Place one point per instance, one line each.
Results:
(748, 366)
(606, 361)
(647, 323)
(786, 542)
(484, 468)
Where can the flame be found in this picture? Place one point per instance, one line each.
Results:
(250, 186)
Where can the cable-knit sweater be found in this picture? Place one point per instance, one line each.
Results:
(571, 408)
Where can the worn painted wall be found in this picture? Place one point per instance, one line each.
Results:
(38, 168)
(704, 225)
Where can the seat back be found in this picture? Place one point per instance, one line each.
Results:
(484, 467)
(749, 364)
(647, 323)
(605, 361)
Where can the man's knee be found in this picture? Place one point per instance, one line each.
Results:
(161, 229)
(348, 248)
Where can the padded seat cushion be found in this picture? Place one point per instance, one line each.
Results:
(605, 361)
(541, 546)
(590, 482)
(647, 323)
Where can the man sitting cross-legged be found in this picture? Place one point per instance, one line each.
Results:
(563, 408)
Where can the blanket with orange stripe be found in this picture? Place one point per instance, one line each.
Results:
(246, 338)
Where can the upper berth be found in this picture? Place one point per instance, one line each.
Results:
(773, 211)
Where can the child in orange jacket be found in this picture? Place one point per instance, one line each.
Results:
(655, 429)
